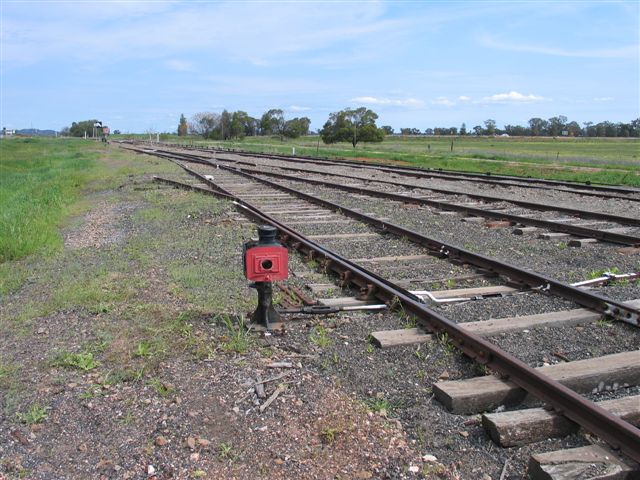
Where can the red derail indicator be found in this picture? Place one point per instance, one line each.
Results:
(267, 264)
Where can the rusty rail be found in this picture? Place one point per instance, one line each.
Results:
(618, 433)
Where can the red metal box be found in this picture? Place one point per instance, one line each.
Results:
(266, 264)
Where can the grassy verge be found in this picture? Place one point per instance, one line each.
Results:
(40, 179)
(123, 307)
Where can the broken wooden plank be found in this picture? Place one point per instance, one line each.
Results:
(520, 427)
(498, 224)
(575, 463)
(397, 338)
(580, 242)
(346, 302)
(524, 230)
(628, 250)
(473, 219)
(481, 394)
(274, 395)
(553, 235)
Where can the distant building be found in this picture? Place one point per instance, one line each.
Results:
(7, 132)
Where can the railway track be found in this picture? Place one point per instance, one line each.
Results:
(285, 208)
(588, 189)
(526, 218)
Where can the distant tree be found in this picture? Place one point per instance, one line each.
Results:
(538, 126)
(490, 126)
(477, 130)
(182, 126)
(388, 130)
(405, 131)
(223, 132)
(272, 122)
(428, 131)
(297, 127)
(588, 132)
(204, 124)
(352, 125)
(516, 130)
(573, 128)
(453, 131)
(78, 129)
(117, 132)
(463, 129)
(556, 125)
(634, 127)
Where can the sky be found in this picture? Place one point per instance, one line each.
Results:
(138, 65)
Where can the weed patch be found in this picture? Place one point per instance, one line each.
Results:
(36, 413)
(79, 361)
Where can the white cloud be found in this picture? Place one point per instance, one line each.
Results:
(444, 101)
(602, 99)
(160, 30)
(464, 98)
(626, 51)
(513, 97)
(403, 102)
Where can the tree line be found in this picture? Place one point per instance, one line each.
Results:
(359, 125)
(537, 127)
(239, 124)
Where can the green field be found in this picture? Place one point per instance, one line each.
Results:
(42, 181)
(602, 160)
(39, 180)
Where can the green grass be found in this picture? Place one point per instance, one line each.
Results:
(36, 413)
(40, 179)
(79, 361)
(320, 337)
(617, 160)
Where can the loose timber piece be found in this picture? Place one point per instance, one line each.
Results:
(579, 242)
(345, 302)
(520, 427)
(479, 394)
(553, 235)
(397, 338)
(498, 224)
(577, 463)
(524, 230)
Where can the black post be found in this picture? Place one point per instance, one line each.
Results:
(265, 313)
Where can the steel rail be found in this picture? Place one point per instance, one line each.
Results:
(525, 182)
(526, 278)
(610, 428)
(548, 224)
(530, 205)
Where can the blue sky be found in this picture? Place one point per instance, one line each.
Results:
(138, 65)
